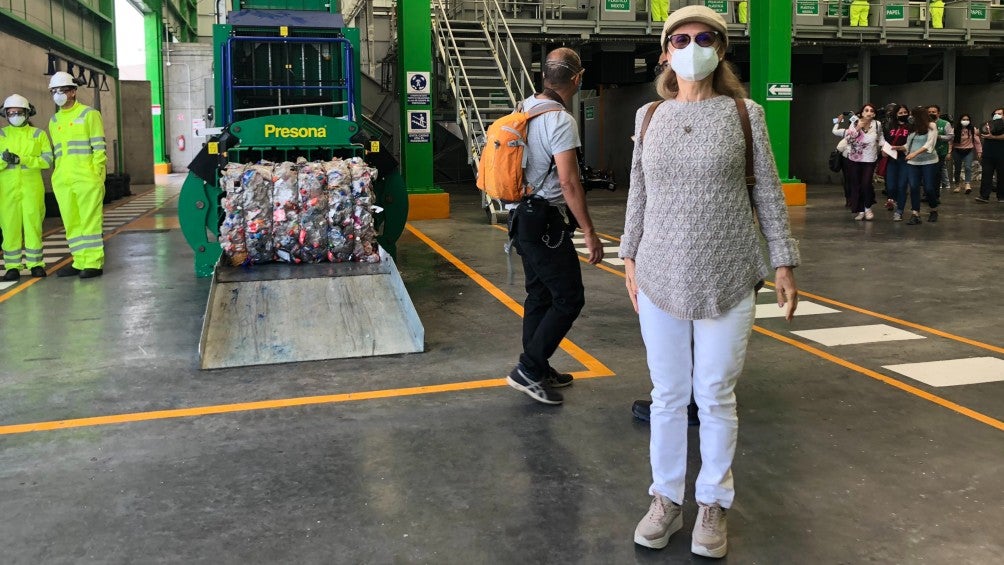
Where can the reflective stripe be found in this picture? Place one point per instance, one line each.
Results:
(52, 120)
(33, 256)
(33, 251)
(80, 151)
(38, 132)
(2, 134)
(98, 139)
(93, 244)
(84, 113)
(81, 238)
(47, 157)
(57, 145)
(78, 143)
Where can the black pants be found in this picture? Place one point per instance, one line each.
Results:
(555, 295)
(992, 162)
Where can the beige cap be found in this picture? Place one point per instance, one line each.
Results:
(688, 14)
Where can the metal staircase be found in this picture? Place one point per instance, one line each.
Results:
(485, 73)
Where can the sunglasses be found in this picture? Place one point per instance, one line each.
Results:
(703, 39)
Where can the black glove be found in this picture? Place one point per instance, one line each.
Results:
(10, 158)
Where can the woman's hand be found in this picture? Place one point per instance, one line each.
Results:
(787, 294)
(632, 288)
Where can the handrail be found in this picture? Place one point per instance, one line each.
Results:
(522, 81)
(467, 111)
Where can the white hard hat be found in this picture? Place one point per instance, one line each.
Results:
(62, 78)
(16, 101)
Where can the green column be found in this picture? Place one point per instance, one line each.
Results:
(155, 74)
(770, 73)
(414, 39)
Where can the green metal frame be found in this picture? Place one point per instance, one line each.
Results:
(199, 209)
(770, 45)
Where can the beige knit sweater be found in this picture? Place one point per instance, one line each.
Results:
(689, 226)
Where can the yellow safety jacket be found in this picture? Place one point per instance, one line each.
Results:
(33, 147)
(78, 142)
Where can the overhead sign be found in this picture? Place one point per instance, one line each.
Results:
(895, 12)
(807, 7)
(779, 90)
(419, 89)
(618, 5)
(720, 6)
(419, 126)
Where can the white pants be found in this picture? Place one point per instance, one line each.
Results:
(707, 355)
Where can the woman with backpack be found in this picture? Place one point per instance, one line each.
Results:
(692, 261)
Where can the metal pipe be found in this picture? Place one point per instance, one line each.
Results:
(286, 106)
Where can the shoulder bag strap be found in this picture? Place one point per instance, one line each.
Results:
(648, 118)
(744, 119)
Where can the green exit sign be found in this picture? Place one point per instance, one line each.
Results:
(807, 7)
(618, 5)
(720, 6)
(895, 13)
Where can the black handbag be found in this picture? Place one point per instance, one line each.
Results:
(836, 162)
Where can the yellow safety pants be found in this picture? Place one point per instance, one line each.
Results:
(80, 193)
(859, 13)
(660, 10)
(938, 14)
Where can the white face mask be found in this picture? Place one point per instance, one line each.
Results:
(965, 122)
(59, 98)
(693, 62)
(998, 116)
(17, 121)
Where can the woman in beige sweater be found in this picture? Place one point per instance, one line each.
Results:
(692, 259)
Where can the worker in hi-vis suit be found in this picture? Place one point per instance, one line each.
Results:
(937, 14)
(859, 13)
(78, 180)
(24, 152)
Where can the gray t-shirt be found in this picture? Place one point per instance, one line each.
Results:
(547, 135)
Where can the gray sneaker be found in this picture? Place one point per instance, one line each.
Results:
(664, 518)
(710, 532)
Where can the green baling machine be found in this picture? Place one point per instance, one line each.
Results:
(288, 87)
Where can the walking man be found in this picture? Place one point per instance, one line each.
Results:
(78, 179)
(542, 227)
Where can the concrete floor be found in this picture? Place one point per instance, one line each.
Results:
(834, 464)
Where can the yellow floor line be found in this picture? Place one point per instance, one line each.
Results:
(259, 405)
(594, 365)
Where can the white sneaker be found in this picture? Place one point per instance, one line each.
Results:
(710, 532)
(869, 215)
(664, 518)
(860, 216)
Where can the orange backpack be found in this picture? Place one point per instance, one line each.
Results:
(500, 170)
